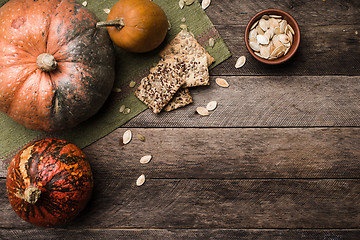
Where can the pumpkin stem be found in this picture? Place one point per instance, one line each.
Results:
(32, 194)
(118, 23)
(46, 62)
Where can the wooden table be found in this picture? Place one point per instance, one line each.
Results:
(278, 158)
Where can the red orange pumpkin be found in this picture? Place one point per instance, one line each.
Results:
(137, 25)
(56, 67)
(49, 182)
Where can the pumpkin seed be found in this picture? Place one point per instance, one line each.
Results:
(181, 4)
(117, 90)
(211, 42)
(211, 105)
(254, 46)
(222, 82)
(84, 3)
(126, 111)
(122, 108)
(127, 136)
(189, 2)
(274, 16)
(262, 39)
(205, 4)
(263, 24)
(273, 23)
(291, 29)
(140, 137)
(276, 42)
(240, 62)
(265, 51)
(141, 180)
(132, 84)
(258, 54)
(252, 35)
(283, 25)
(283, 38)
(277, 51)
(106, 10)
(169, 25)
(183, 19)
(202, 111)
(145, 159)
(254, 25)
(277, 30)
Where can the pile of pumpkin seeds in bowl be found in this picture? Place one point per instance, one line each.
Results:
(271, 37)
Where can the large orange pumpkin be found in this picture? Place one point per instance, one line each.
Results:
(56, 67)
(137, 25)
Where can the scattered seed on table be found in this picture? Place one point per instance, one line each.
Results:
(240, 62)
(122, 108)
(205, 4)
(106, 10)
(127, 136)
(211, 42)
(132, 84)
(181, 4)
(169, 25)
(141, 180)
(222, 82)
(145, 159)
(211, 105)
(126, 111)
(202, 111)
(189, 2)
(140, 137)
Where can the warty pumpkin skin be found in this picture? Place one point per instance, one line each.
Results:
(49, 182)
(144, 25)
(79, 57)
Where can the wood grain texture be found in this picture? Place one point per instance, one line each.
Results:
(278, 159)
(323, 50)
(305, 12)
(329, 39)
(229, 153)
(181, 234)
(213, 203)
(268, 101)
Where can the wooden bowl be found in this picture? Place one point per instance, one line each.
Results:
(293, 24)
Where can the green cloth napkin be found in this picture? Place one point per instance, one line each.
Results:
(130, 67)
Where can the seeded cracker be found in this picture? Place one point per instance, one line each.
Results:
(159, 87)
(180, 99)
(196, 58)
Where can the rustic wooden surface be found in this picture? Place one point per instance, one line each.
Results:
(278, 159)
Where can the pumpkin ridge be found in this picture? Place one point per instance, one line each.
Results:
(17, 87)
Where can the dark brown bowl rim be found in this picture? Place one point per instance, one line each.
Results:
(293, 24)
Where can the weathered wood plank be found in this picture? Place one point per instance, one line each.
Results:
(305, 12)
(268, 101)
(181, 234)
(233, 153)
(330, 39)
(323, 50)
(211, 203)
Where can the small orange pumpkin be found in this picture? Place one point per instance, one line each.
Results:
(136, 25)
